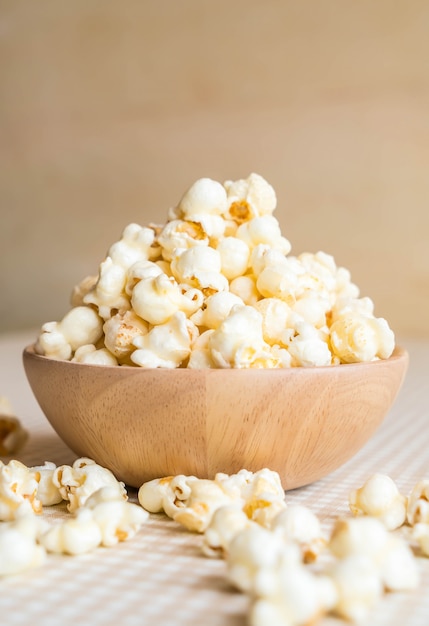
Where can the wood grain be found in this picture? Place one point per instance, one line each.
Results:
(142, 424)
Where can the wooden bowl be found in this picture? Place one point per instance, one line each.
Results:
(147, 423)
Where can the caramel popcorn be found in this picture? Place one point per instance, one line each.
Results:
(219, 263)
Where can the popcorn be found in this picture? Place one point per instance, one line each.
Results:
(19, 550)
(12, 434)
(47, 492)
(18, 491)
(117, 519)
(418, 504)
(166, 494)
(77, 482)
(226, 522)
(165, 345)
(249, 198)
(59, 340)
(218, 239)
(380, 498)
(298, 523)
(420, 533)
(77, 535)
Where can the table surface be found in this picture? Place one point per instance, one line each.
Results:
(160, 576)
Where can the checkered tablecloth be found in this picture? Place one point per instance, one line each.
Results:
(160, 577)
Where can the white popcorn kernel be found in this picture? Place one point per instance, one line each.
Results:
(263, 230)
(18, 490)
(418, 503)
(420, 533)
(19, 550)
(181, 234)
(120, 332)
(307, 345)
(76, 535)
(359, 586)
(13, 435)
(380, 498)
(298, 523)
(156, 299)
(264, 497)
(204, 498)
(90, 354)
(234, 256)
(248, 198)
(238, 340)
(205, 196)
(358, 338)
(292, 592)
(251, 550)
(345, 305)
(166, 494)
(165, 345)
(275, 314)
(245, 288)
(80, 326)
(280, 281)
(368, 537)
(200, 357)
(199, 267)
(47, 492)
(313, 308)
(140, 271)
(224, 525)
(117, 519)
(135, 244)
(108, 294)
(77, 482)
(215, 309)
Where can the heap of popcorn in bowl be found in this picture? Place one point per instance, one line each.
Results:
(217, 287)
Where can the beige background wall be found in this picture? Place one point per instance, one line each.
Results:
(109, 110)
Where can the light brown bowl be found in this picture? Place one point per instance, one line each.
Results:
(143, 424)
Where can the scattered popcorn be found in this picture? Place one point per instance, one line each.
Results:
(224, 525)
(18, 491)
(420, 533)
(379, 497)
(12, 434)
(298, 523)
(47, 492)
(219, 240)
(418, 503)
(77, 535)
(19, 548)
(77, 482)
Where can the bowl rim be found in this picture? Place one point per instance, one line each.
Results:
(399, 353)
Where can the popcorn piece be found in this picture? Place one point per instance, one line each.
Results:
(90, 354)
(200, 357)
(418, 503)
(199, 267)
(224, 525)
(275, 314)
(181, 234)
(19, 550)
(204, 498)
(117, 519)
(367, 536)
(77, 535)
(81, 289)
(420, 533)
(307, 345)
(252, 550)
(215, 309)
(205, 196)
(245, 288)
(18, 491)
(357, 338)
(108, 293)
(47, 492)
(136, 243)
(165, 345)
(77, 482)
(12, 434)
(298, 523)
(290, 593)
(238, 341)
(380, 498)
(234, 256)
(359, 586)
(264, 497)
(158, 298)
(250, 197)
(120, 332)
(263, 230)
(165, 494)
(59, 340)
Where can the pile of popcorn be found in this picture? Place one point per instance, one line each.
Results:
(275, 552)
(216, 287)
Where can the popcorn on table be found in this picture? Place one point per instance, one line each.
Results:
(215, 286)
(12, 433)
